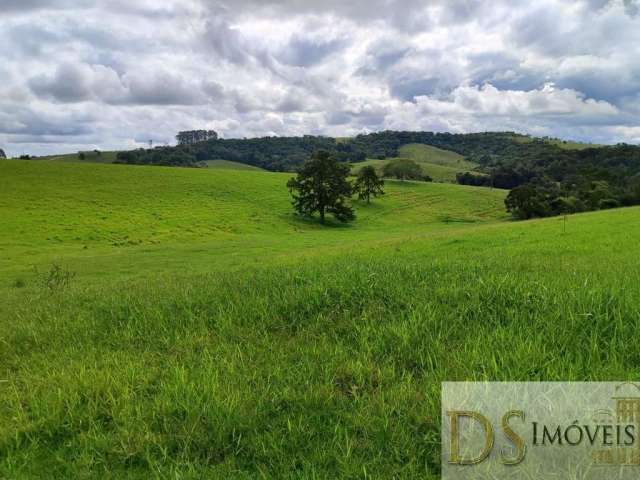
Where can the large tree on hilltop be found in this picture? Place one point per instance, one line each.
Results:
(322, 186)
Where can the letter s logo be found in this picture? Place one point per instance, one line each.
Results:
(517, 441)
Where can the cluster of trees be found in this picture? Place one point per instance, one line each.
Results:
(192, 137)
(288, 153)
(546, 180)
(473, 145)
(94, 153)
(163, 156)
(2, 154)
(544, 199)
(405, 169)
(322, 186)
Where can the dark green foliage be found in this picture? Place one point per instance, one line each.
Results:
(321, 186)
(468, 178)
(386, 144)
(588, 179)
(271, 153)
(368, 184)
(404, 169)
(527, 201)
(82, 156)
(164, 156)
(544, 197)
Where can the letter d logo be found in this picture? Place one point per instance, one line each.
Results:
(454, 458)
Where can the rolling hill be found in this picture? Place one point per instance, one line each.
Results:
(227, 165)
(89, 157)
(195, 328)
(441, 165)
(108, 213)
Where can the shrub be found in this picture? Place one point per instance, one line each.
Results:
(56, 278)
(404, 169)
(607, 203)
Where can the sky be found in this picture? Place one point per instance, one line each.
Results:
(93, 74)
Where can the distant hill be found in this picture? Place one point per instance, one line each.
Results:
(564, 177)
(93, 156)
(227, 165)
(441, 165)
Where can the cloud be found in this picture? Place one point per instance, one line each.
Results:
(305, 52)
(109, 74)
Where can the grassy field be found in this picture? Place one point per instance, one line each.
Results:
(209, 333)
(99, 218)
(228, 165)
(564, 144)
(441, 165)
(89, 157)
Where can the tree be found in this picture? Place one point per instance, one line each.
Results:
(368, 183)
(2, 154)
(526, 201)
(81, 155)
(404, 169)
(192, 137)
(322, 186)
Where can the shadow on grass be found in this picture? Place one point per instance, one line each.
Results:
(314, 221)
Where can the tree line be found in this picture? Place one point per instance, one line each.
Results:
(546, 180)
(191, 137)
(278, 154)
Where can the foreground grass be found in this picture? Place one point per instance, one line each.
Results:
(329, 368)
(209, 333)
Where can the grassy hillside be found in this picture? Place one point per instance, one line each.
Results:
(131, 220)
(211, 334)
(441, 165)
(563, 144)
(89, 157)
(227, 165)
(434, 156)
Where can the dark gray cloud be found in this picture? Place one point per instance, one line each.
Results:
(69, 84)
(111, 73)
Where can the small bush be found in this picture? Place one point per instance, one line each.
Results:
(607, 203)
(56, 278)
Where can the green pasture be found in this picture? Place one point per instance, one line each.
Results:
(195, 328)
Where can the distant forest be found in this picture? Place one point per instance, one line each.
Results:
(544, 178)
